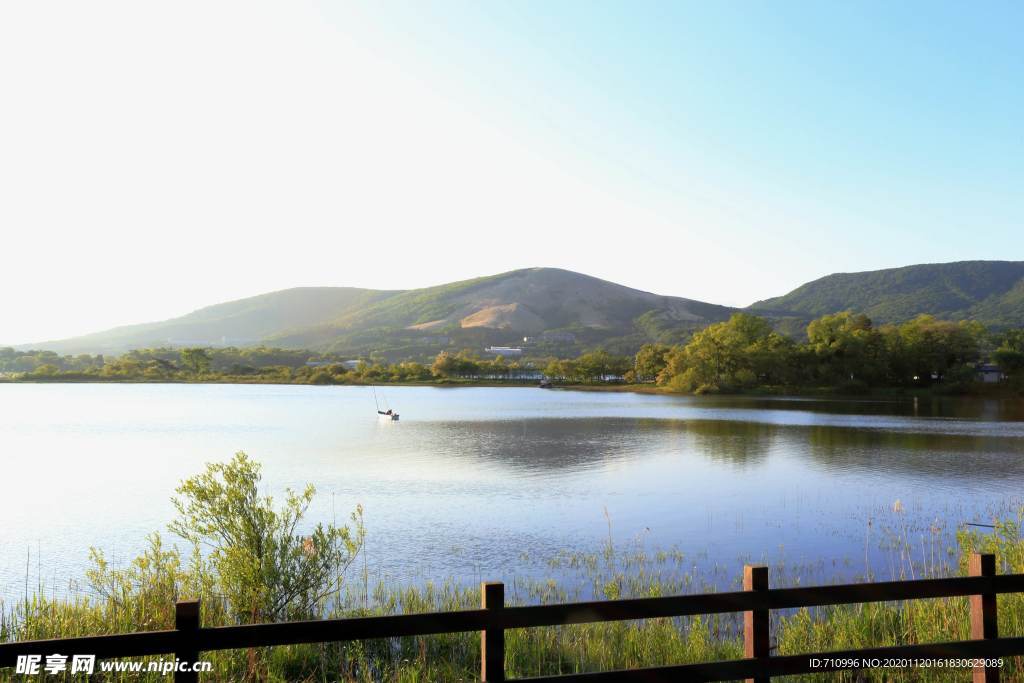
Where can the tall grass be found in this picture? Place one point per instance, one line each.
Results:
(142, 598)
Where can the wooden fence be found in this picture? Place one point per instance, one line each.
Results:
(188, 639)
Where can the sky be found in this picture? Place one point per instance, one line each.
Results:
(159, 157)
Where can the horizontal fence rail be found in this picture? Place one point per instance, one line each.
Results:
(756, 601)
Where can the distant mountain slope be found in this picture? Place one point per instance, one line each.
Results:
(989, 291)
(242, 322)
(526, 301)
(498, 309)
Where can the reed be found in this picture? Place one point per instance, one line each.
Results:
(145, 602)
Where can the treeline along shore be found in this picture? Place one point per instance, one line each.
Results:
(840, 353)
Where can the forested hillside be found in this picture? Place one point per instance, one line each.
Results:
(991, 292)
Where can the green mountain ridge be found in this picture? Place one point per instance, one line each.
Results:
(991, 292)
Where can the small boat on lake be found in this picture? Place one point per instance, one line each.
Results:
(545, 384)
(387, 413)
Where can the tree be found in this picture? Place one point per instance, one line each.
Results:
(409, 371)
(444, 365)
(196, 360)
(262, 565)
(926, 346)
(597, 365)
(561, 369)
(741, 352)
(650, 361)
(248, 563)
(593, 365)
(462, 365)
(846, 348)
(496, 368)
(1010, 354)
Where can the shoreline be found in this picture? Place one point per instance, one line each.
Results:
(893, 393)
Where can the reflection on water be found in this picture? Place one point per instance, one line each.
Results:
(536, 446)
(942, 406)
(945, 459)
(488, 483)
(542, 446)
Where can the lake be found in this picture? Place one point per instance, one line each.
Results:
(489, 483)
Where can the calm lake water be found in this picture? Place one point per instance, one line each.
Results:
(491, 482)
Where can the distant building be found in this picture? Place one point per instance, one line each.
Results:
(988, 373)
(505, 351)
(351, 364)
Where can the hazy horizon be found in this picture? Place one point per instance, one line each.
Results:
(161, 158)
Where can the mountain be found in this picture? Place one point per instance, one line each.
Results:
(239, 323)
(991, 292)
(556, 308)
(560, 311)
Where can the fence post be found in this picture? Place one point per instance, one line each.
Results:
(755, 622)
(984, 625)
(492, 640)
(186, 622)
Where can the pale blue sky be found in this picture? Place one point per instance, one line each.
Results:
(168, 156)
(899, 121)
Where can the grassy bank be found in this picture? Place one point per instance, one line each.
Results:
(248, 564)
(145, 604)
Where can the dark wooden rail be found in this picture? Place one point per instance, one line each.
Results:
(756, 601)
